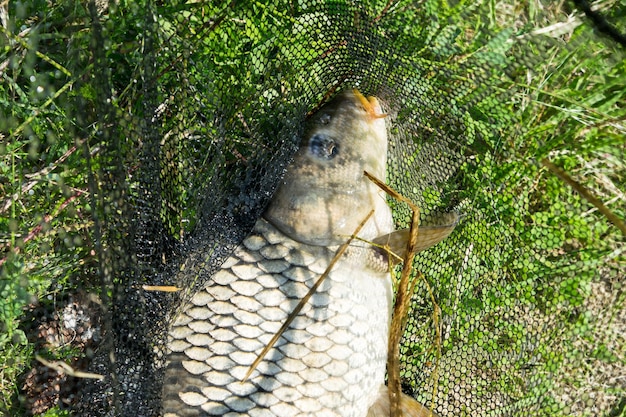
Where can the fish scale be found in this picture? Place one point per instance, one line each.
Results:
(331, 358)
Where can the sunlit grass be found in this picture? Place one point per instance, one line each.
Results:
(570, 108)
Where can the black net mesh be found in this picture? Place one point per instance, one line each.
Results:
(142, 140)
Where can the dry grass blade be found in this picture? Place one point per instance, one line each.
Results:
(306, 298)
(403, 301)
(580, 189)
(63, 368)
(161, 288)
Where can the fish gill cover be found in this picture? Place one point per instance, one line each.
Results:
(142, 140)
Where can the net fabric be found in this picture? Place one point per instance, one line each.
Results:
(185, 120)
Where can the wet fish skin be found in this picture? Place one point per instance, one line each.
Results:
(331, 362)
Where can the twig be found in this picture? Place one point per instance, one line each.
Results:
(586, 194)
(20, 39)
(383, 11)
(63, 368)
(37, 229)
(160, 288)
(403, 300)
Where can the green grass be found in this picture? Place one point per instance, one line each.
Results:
(535, 274)
(570, 105)
(44, 215)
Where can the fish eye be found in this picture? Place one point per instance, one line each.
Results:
(323, 146)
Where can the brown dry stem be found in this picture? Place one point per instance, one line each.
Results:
(161, 288)
(403, 300)
(64, 368)
(586, 194)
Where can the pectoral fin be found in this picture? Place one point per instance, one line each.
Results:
(429, 234)
(408, 406)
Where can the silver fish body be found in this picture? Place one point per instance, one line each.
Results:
(331, 360)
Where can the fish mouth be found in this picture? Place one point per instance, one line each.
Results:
(370, 104)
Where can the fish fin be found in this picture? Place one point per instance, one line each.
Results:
(409, 407)
(428, 235)
(394, 242)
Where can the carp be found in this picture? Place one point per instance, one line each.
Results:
(331, 360)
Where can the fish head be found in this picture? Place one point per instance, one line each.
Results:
(324, 195)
